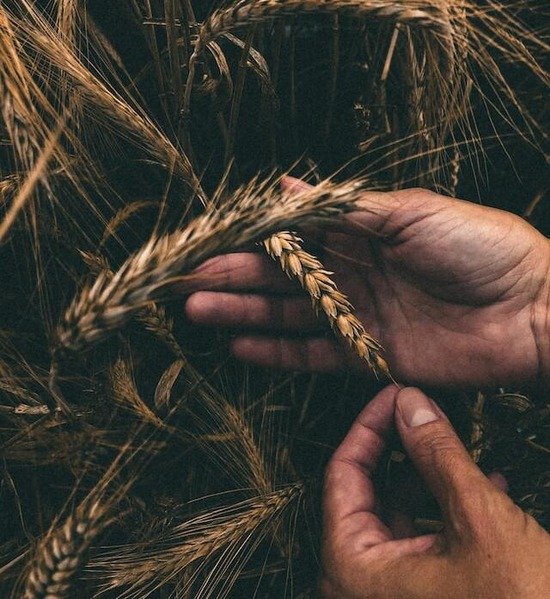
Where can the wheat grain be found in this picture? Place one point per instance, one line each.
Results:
(166, 383)
(251, 213)
(286, 248)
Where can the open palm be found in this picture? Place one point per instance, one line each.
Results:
(456, 293)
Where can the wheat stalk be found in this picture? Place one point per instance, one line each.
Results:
(252, 212)
(286, 248)
(60, 554)
(103, 100)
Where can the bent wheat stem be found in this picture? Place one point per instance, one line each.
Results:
(252, 212)
(418, 13)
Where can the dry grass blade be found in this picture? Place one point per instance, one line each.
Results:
(256, 210)
(125, 393)
(286, 248)
(12, 385)
(166, 383)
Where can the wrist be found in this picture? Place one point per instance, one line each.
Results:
(541, 323)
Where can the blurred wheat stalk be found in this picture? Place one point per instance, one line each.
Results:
(123, 167)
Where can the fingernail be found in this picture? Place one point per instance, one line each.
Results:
(415, 408)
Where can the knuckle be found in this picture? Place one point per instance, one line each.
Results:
(440, 445)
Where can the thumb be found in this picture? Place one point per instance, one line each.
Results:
(458, 485)
(379, 213)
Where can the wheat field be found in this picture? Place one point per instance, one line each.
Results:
(143, 137)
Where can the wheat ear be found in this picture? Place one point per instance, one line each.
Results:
(251, 213)
(37, 33)
(153, 317)
(286, 248)
(416, 13)
(60, 555)
(145, 568)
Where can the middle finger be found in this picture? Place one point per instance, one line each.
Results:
(249, 310)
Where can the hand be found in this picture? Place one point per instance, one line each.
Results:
(488, 548)
(458, 294)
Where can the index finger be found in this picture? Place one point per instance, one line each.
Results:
(349, 498)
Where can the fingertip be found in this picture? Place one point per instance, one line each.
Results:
(243, 347)
(199, 306)
(415, 408)
(255, 351)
